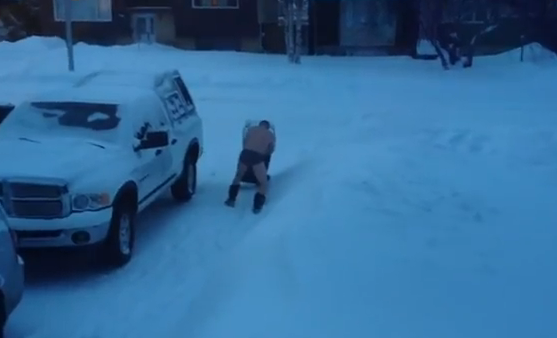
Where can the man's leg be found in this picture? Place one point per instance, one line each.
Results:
(235, 186)
(260, 172)
(240, 172)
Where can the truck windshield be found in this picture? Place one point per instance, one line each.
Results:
(97, 121)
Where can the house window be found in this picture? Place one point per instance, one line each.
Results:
(216, 4)
(84, 10)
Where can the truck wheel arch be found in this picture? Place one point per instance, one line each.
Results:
(3, 314)
(128, 193)
(193, 150)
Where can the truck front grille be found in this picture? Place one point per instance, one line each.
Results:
(33, 200)
(33, 190)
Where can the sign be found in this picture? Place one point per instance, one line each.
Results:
(84, 10)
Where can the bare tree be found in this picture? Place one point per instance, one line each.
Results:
(451, 48)
(20, 19)
(293, 15)
(484, 14)
(430, 13)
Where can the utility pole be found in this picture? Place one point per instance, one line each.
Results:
(69, 35)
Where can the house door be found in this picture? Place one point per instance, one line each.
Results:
(144, 28)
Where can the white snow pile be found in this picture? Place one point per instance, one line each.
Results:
(532, 53)
(32, 44)
(425, 47)
(405, 202)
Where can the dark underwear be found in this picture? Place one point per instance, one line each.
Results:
(251, 158)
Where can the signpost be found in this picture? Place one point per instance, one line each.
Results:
(69, 35)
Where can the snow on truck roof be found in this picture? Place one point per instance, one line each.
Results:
(147, 80)
(102, 86)
(94, 94)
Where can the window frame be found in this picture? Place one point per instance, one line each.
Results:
(194, 6)
(58, 17)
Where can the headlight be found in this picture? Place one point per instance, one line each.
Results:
(91, 202)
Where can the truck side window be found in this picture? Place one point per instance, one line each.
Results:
(176, 108)
(184, 91)
(157, 116)
(152, 118)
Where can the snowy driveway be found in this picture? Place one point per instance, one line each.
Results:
(401, 206)
(176, 244)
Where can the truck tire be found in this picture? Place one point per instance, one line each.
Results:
(3, 317)
(121, 235)
(184, 188)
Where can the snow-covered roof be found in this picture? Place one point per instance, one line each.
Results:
(121, 78)
(100, 94)
(102, 86)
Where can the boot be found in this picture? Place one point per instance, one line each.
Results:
(258, 201)
(232, 194)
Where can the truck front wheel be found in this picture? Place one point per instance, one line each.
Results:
(3, 316)
(121, 235)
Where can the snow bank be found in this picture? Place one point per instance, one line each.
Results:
(32, 44)
(425, 47)
(532, 53)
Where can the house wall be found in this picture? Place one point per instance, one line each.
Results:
(180, 25)
(267, 11)
(216, 23)
(165, 27)
(367, 23)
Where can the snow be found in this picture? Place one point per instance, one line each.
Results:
(533, 53)
(425, 47)
(406, 202)
(113, 94)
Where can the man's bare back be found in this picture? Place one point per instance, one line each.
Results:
(259, 139)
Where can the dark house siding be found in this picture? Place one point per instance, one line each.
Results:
(148, 3)
(207, 28)
(103, 33)
(216, 23)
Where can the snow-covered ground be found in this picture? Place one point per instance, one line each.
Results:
(406, 202)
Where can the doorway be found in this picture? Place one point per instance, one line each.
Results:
(144, 29)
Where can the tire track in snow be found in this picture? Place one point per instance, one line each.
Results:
(223, 279)
(176, 245)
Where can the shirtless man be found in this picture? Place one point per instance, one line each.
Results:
(258, 144)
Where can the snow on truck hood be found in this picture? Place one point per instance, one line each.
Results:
(51, 158)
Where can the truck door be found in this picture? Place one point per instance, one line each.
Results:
(190, 121)
(153, 163)
(167, 156)
(178, 113)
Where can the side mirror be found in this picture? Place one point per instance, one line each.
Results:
(154, 139)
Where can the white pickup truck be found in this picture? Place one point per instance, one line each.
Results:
(79, 164)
